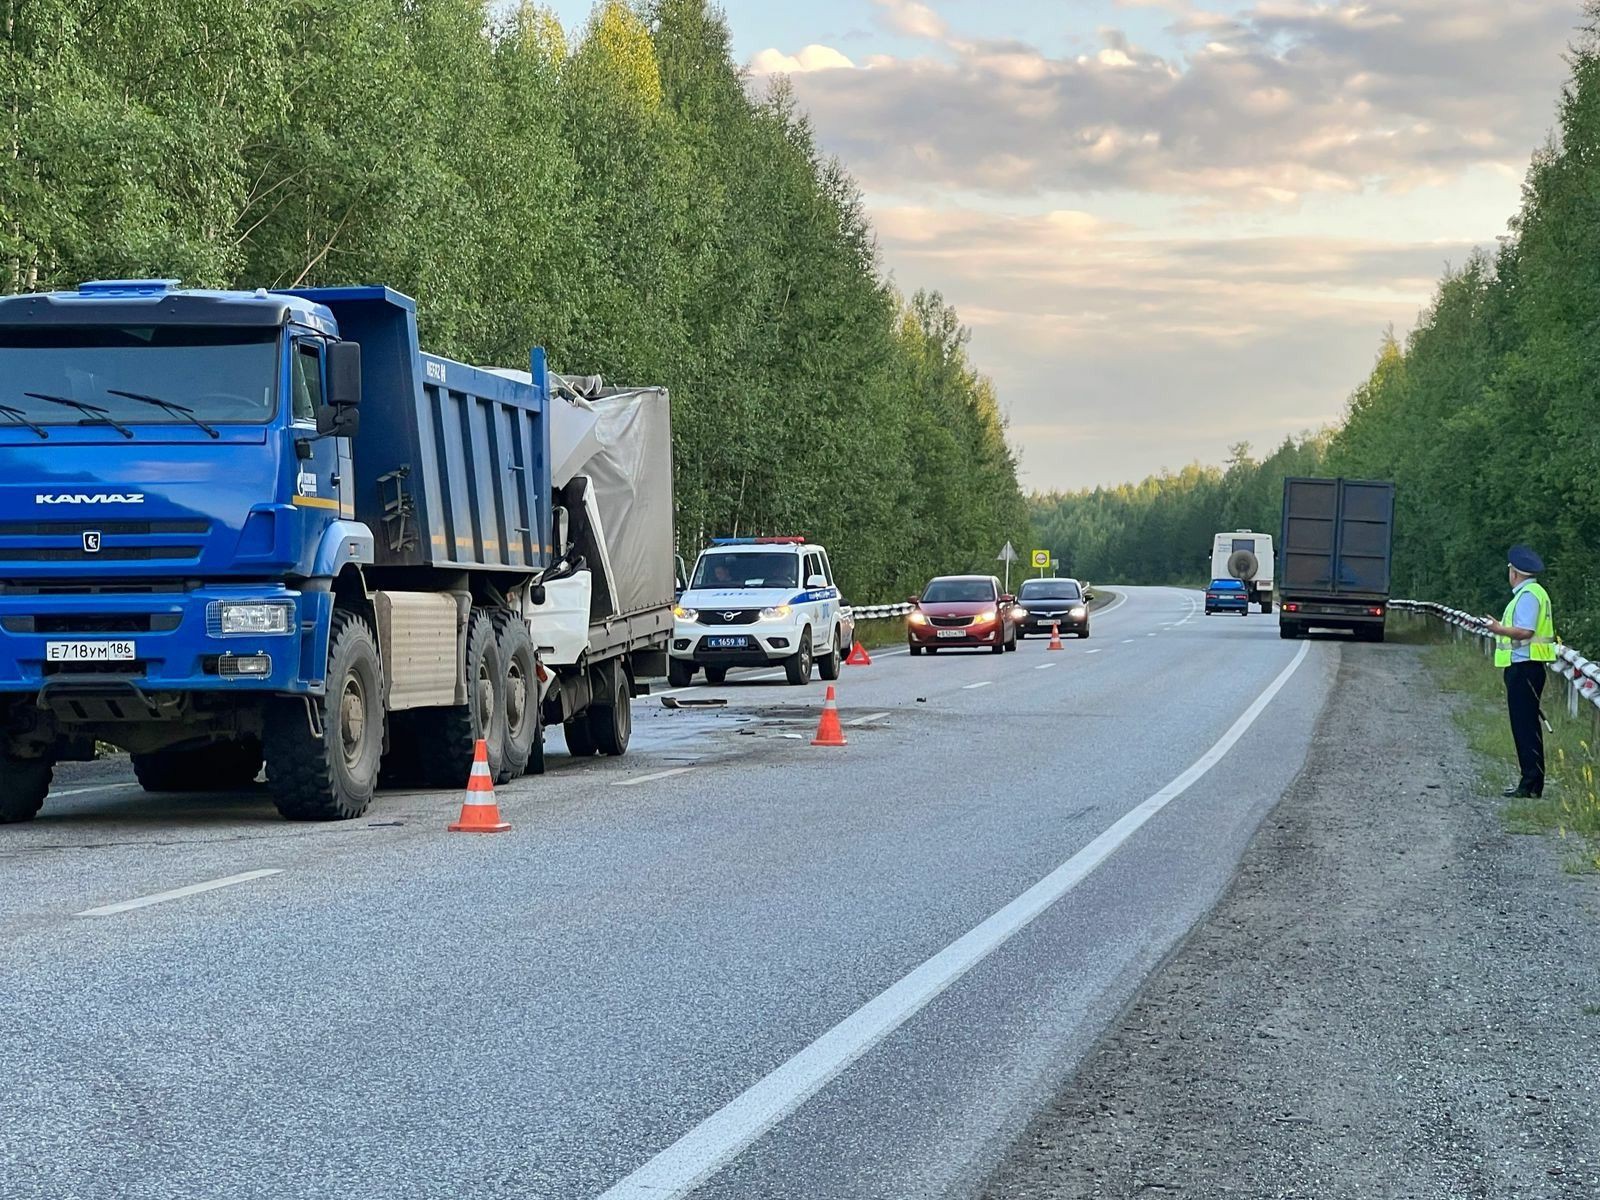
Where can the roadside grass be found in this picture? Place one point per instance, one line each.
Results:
(1570, 807)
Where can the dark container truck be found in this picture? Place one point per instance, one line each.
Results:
(1336, 552)
(239, 527)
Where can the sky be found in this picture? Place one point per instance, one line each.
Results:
(1171, 225)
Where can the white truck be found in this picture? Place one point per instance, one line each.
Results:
(1246, 556)
(602, 617)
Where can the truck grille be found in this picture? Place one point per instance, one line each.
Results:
(113, 541)
(93, 623)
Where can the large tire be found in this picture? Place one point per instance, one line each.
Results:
(449, 736)
(829, 664)
(679, 673)
(1288, 629)
(219, 767)
(580, 741)
(524, 722)
(797, 667)
(331, 778)
(24, 783)
(1266, 606)
(611, 724)
(1011, 646)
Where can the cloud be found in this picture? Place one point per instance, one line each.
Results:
(1118, 351)
(1284, 99)
(811, 58)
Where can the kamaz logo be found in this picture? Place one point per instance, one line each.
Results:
(88, 498)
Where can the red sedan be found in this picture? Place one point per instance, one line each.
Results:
(962, 610)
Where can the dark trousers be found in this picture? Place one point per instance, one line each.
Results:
(1524, 686)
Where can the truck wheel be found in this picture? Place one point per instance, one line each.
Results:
(520, 687)
(580, 742)
(331, 778)
(798, 665)
(451, 735)
(24, 783)
(1288, 629)
(611, 725)
(828, 665)
(1266, 606)
(219, 767)
(680, 673)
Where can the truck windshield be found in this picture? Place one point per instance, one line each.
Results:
(763, 569)
(222, 375)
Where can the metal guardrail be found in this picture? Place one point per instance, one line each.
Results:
(1582, 674)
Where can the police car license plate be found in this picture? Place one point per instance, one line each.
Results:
(952, 633)
(89, 652)
(729, 642)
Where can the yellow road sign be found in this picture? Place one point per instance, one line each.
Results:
(1041, 558)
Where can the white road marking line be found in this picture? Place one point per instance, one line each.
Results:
(868, 719)
(717, 1140)
(99, 787)
(194, 889)
(1150, 635)
(1127, 641)
(1095, 651)
(1118, 603)
(638, 779)
(983, 683)
(1044, 666)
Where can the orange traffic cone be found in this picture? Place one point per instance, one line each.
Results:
(479, 812)
(859, 656)
(829, 731)
(1055, 636)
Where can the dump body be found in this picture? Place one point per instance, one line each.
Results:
(1336, 554)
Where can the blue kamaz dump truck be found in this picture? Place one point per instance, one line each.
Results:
(240, 528)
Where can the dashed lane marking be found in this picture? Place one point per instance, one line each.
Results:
(982, 683)
(194, 889)
(868, 719)
(652, 777)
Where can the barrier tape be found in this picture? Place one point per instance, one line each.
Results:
(1581, 673)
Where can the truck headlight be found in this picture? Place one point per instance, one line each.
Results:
(686, 614)
(230, 618)
(778, 613)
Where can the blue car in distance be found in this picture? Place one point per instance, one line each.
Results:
(1227, 595)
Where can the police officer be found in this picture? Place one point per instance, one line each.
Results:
(1525, 645)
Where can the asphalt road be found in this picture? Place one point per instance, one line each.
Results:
(729, 959)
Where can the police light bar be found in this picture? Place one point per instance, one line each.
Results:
(759, 541)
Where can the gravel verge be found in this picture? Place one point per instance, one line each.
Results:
(1395, 998)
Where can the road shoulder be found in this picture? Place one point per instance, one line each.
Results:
(1395, 998)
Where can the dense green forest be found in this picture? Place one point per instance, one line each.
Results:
(621, 198)
(1487, 418)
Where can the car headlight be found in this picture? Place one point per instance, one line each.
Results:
(686, 614)
(984, 617)
(1019, 613)
(1079, 612)
(230, 618)
(916, 618)
(778, 612)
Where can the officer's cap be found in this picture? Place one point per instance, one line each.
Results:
(1525, 560)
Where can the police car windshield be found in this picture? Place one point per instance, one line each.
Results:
(958, 591)
(748, 569)
(1050, 590)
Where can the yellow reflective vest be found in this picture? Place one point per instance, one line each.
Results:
(1543, 646)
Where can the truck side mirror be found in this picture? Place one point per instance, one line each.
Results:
(341, 416)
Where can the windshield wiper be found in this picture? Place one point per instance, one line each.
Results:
(21, 418)
(96, 414)
(169, 405)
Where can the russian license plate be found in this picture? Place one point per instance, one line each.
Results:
(739, 641)
(952, 633)
(88, 652)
